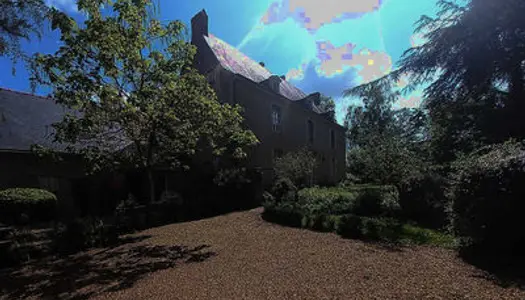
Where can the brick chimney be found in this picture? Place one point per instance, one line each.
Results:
(199, 26)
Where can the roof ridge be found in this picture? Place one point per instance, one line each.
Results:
(24, 93)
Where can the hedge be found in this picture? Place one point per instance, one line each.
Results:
(335, 210)
(376, 200)
(19, 205)
(330, 201)
(489, 196)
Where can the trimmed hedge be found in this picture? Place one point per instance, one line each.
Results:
(284, 213)
(336, 209)
(20, 205)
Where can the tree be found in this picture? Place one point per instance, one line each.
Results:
(327, 104)
(452, 62)
(297, 166)
(19, 19)
(383, 142)
(133, 98)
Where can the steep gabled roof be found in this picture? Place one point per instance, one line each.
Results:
(237, 62)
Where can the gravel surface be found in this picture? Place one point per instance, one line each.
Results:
(240, 256)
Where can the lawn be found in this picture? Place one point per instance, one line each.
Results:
(240, 256)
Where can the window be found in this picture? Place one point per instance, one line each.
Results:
(332, 138)
(310, 131)
(276, 118)
(277, 153)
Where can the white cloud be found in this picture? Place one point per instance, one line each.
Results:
(67, 5)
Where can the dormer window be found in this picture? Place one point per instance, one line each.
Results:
(274, 82)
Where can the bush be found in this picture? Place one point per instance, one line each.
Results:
(376, 200)
(391, 231)
(331, 201)
(284, 213)
(350, 226)
(297, 166)
(81, 234)
(284, 189)
(27, 204)
(489, 196)
(423, 199)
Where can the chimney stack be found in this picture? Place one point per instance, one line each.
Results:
(199, 25)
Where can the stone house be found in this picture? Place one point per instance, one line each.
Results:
(282, 116)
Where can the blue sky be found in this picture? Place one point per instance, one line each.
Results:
(323, 46)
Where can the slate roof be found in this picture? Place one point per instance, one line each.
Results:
(237, 62)
(26, 120)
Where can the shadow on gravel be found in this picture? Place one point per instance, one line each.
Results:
(502, 270)
(91, 273)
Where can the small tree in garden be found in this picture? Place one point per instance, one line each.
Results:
(133, 98)
(297, 166)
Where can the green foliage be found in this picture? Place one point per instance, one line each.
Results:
(81, 234)
(283, 187)
(133, 98)
(268, 198)
(335, 210)
(386, 146)
(19, 20)
(488, 195)
(327, 201)
(424, 199)
(27, 204)
(374, 200)
(327, 105)
(285, 213)
(297, 166)
(391, 231)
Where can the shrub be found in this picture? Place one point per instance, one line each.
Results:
(81, 234)
(297, 166)
(17, 204)
(268, 198)
(331, 201)
(285, 213)
(423, 199)
(391, 231)
(284, 189)
(422, 236)
(350, 226)
(376, 200)
(489, 197)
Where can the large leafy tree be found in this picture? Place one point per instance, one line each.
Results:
(133, 98)
(383, 142)
(19, 20)
(474, 50)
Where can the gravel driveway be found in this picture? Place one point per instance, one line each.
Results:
(240, 256)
